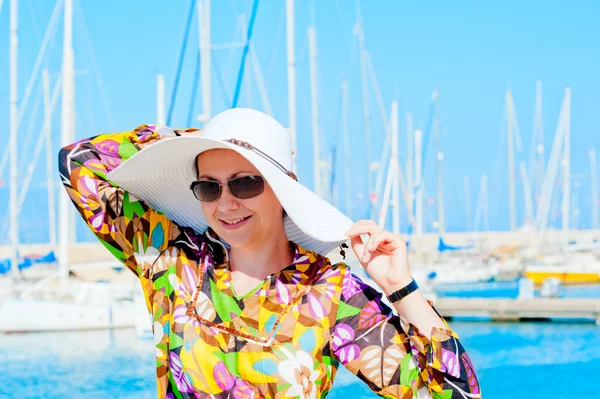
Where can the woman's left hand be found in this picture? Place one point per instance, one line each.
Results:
(384, 256)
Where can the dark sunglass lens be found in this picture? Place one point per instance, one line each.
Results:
(206, 190)
(246, 186)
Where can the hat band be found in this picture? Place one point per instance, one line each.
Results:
(249, 146)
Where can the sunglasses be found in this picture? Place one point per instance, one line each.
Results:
(243, 187)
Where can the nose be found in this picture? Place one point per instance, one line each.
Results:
(227, 202)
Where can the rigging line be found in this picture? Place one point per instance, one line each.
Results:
(38, 62)
(244, 54)
(338, 139)
(277, 42)
(88, 109)
(186, 32)
(311, 12)
(338, 14)
(385, 151)
(233, 7)
(496, 175)
(229, 65)
(333, 173)
(29, 132)
(221, 82)
(96, 70)
(194, 89)
(35, 19)
(428, 128)
(32, 78)
(31, 167)
(258, 75)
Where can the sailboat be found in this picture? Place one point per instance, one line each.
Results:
(101, 295)
(582, 270)
(70, 298)
(569, 264)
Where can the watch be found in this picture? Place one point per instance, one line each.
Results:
(403, 292)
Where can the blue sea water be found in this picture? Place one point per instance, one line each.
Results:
(513, 360)
(510, 289)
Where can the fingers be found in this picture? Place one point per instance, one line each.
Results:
(357, 245)
(363, 227)
(379, 239)
(356, 241)
(374, 242)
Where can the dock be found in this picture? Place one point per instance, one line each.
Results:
(531, 309)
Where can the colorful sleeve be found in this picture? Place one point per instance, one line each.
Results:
(130, 229)
(391, 356)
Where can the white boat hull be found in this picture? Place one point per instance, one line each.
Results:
(20, 316)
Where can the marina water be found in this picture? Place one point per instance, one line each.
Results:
(513, 360)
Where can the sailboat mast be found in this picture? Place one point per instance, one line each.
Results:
(160, 99)
(312, 56)
(248, 63)
(66, 215)
(260, 82)
(396, 168)
(594, 186)
(485, 203)
(13, 206)
(440, 193)
(468, 204)
(385, 199)
(539, 166)
(419, 182)
(440, 182)
(346, 129)
(203, 7)
(365, 102)
(49, 159)
(291, 78)
(566, 206)
(511, 161)
(554, 162)
(410, 162)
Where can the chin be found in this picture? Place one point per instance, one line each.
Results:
(236, 240)
(233, 238)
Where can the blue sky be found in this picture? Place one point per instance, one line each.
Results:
(472, 51)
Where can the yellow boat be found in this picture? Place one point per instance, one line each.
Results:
(567, 275)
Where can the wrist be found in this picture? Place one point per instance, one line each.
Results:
(403, 292)
(396, 283)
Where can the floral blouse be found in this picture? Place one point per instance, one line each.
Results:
(286, 338)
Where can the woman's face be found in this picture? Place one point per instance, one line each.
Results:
(261, 215)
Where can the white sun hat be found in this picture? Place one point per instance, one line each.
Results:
(161, 173)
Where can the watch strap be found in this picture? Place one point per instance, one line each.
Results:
(403, 292)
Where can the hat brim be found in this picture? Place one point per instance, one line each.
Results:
(161, 173)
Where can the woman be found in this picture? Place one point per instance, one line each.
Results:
(230, 248)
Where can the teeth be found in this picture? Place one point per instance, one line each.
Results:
(234, 221)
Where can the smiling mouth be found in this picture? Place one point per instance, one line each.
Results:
(235, 221)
